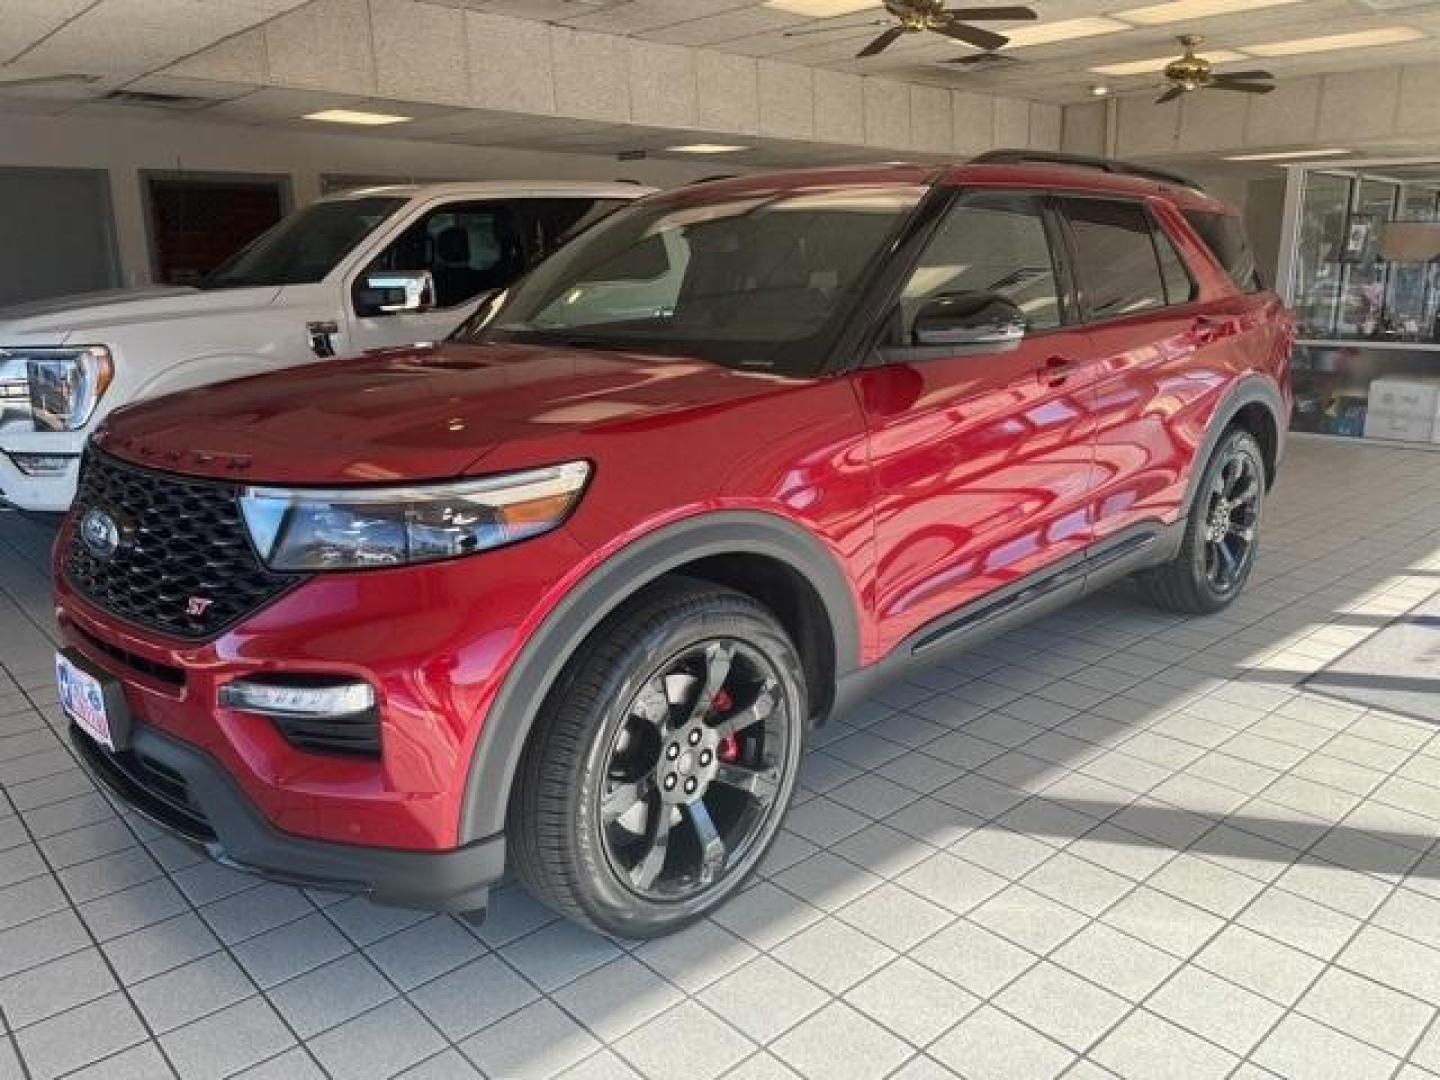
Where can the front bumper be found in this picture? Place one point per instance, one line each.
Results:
(188, 793)
(41, 494)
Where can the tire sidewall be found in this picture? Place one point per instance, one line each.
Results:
(1236, 442)
(607, 900)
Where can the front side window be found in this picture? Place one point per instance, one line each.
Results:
(468, 248)
(991, 242)
(1116, 257)
(304, 247)
(758, 280)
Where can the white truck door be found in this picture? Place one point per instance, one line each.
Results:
(466, 248)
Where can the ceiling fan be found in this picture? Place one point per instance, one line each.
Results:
(1192, 72)
(920, 16)
(47, 80)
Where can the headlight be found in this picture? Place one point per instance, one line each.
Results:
(363, 528)
(54, 389)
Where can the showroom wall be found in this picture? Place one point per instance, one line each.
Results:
(124, 147)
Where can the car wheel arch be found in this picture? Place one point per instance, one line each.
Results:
(703, 543)
(1254, 403)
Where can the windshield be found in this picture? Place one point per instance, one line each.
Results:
(751, 280)
(304, 247)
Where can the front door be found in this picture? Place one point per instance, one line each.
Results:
(469, 248)
(981, 456)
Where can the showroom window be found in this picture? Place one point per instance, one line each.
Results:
(989, 242)
(1116, 257)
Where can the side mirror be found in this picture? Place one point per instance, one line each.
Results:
(388, 294)
(969, 318)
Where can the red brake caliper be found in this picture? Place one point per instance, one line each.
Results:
(729, 748)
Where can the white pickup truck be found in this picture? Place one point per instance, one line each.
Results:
(367, 269)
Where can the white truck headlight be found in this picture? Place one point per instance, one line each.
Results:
(369, 528)
(54, 389)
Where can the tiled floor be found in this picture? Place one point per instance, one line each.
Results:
(1116, 843)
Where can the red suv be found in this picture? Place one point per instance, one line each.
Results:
(569, 589)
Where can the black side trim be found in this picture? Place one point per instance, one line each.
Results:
(1047, 590)
(1252, 389)
(454, 880)
(507, 723)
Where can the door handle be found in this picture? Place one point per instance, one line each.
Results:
(1206, 330)
(1055, 370)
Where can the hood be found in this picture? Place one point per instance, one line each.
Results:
(415, 414)
(84, 313)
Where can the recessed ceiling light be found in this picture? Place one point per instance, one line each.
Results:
(353, 116)
(1065, 30)
(706, 148)
(821, 9)
(1099, 91)
(1180, 10)
(1387, 35)
(1158, 63)
(1287, 155)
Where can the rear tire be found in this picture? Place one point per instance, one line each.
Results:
(661, 762)
(1221, 533)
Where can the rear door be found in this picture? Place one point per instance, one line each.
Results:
(1161, 358)
(981, 456)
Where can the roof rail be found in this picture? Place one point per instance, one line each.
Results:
(1084, 161)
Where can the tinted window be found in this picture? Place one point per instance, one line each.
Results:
(989, 242)
(751, 279)
(468, 247)
(1179, 287)
(1225, 237)
(551, 222)
(1118, 266)
(304, 247)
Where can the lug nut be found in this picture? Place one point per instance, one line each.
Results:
(705, 757)
(694, 736)
(690, 786)
(672, 751)
(670, 782)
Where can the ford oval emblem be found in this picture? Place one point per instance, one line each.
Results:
(99, 533)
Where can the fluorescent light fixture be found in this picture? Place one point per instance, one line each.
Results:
(1361, 39)
(1065, 30)
(1158, 63)
(353, 116)
(706, 148)
(1181, 10)
(822, 9)
(1288, 155)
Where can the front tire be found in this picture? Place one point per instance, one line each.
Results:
(1221, 533)
(662, 761)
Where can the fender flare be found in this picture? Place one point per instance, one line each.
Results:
(511, 714)
(1250, 390)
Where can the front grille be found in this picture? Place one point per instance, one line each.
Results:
(164, 673)
(184, 564)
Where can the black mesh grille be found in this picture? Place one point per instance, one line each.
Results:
(184, 564)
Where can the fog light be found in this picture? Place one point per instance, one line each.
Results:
(298, 698)
(43, 464)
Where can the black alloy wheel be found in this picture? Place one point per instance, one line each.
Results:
(1217, 552)
(661, 762)
(699, 751)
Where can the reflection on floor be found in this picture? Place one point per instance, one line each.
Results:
(1115, 843)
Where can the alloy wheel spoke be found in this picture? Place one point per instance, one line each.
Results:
(718, 658)
(1246, 493)
(653, 705)
(1228, 561)
(712, 848)
(758, 711)
(622, 798)
(647, 870)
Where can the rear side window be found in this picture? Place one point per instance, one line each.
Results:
(1116, 257)
(1225, 237)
